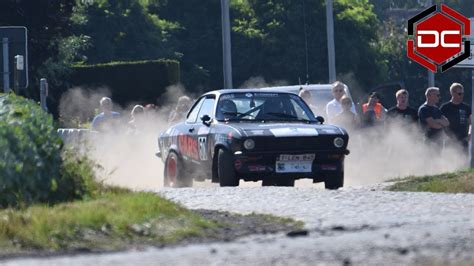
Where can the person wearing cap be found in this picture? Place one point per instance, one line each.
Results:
(373, 111)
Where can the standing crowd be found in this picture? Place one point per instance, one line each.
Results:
(109, 120)
(449, 124)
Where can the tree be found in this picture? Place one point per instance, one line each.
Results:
(122, 30)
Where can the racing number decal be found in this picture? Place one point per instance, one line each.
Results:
(188, 146)
(202, 148)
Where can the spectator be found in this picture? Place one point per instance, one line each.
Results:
(150, 107)
(373, 111)
(137, 120)
(306, 96)
(334, 107)
(402, 110)
(431, 118)
(458, 115)
(346, 119)
(107, 119)
(151, 111)
(181, 110)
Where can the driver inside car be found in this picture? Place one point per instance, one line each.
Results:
(227, 109)
(271, 107)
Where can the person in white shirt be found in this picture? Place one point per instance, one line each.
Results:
(334, 107)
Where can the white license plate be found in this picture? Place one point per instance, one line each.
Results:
(297, 157)
(294, 166)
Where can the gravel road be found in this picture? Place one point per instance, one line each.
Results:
(358, 225)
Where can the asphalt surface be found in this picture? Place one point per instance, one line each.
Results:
(351, 226)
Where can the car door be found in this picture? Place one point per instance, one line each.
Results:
(187, 142)
(203, 128)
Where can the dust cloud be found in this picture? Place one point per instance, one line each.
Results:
(395, 150)
(127, 153)
(77, 105)
(259, 82)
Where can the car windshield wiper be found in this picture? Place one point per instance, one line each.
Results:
(282, 115)
(239, 114)
(238, 119)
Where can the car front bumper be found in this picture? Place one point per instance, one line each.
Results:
(254, 166)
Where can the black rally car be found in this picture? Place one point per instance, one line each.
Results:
(252, 135)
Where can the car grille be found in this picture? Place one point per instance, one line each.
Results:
(295, 144)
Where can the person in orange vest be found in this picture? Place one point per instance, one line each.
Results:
(373, 110)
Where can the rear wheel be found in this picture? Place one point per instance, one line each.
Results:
(225, 169)
(175, 174)
(334, 181)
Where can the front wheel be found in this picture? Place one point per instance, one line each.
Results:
(334, 181)
(174, 174)
(225, 169)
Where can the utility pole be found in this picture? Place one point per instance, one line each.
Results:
(431, 78)
(431, 75)
(226, 46)
(472, 118)
(330, 36)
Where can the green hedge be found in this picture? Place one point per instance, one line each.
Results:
(139, 81)
(31, 167)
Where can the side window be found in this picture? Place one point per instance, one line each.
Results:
(192, 116)
(301, 113)
(207, 107)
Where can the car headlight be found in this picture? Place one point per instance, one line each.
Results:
(338, 142)
(249, 144)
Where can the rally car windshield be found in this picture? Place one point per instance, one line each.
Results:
(262, 106)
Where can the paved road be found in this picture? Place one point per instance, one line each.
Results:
(361, 226)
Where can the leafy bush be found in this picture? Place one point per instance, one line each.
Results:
(31, 167)
(77, 177)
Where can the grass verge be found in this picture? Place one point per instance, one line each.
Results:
(120, 220)
(457, 182)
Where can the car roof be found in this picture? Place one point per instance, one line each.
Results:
(253, 90)
(309, 87)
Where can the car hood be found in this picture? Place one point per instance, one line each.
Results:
(286, 129)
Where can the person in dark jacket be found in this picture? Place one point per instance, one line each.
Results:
(459, 116)
(431, 118)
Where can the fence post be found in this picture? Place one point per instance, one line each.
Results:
(6, 70)
(43, 93)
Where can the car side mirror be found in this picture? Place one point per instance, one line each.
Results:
(320, 119)
(206, 120)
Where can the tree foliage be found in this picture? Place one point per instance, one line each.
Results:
(278, 40)
(47, 22)
(31, 167)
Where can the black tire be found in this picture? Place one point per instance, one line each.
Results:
(279, 183)
(225, 169)
(175, 174)
(334, 181)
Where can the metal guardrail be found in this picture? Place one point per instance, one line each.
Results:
(74, 136)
